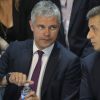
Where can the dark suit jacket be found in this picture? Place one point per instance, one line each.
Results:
(62, 76)
(78, 27)
(90, 85)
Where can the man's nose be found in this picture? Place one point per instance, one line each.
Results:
(90, 35)
(47, 31)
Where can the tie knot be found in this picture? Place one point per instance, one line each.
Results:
(40, 53)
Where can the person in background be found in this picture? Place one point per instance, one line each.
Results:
(13, 20)
(72, 36)
(60, 74)
(90, 84)
(74, 26)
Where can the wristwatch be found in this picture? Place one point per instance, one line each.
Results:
(7, 78)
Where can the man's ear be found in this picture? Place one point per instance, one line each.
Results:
(31, 25)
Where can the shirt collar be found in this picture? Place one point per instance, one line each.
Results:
(63, 3)
(46, 51)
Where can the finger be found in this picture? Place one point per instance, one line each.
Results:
(31, 96)
(24, 78)
(18, 78)
(21, 78)
(29, 82)
(12, 78)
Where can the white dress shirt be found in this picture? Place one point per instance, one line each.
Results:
(45, 57)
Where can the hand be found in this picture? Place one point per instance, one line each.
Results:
(32, 96)
(3, 44)
(18, 78)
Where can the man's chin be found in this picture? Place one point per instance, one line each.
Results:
(44, 46)
(97, 49)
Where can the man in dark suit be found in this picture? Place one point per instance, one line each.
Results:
(60, 73)
(90, 85)
(78, 27)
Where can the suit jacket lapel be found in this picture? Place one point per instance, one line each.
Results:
(50, 69)
(28, 56)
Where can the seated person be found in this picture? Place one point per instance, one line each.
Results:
(13, 20)
(90, 85)
(60, 74)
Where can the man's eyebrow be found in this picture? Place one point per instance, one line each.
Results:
(40, 25)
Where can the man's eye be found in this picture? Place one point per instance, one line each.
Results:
(53, 27)
(41, 27)
(93, 29)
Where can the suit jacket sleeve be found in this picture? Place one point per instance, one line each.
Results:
(71, 84)
(85, 90)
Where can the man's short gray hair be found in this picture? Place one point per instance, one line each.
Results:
(47, 9)
(93, 12)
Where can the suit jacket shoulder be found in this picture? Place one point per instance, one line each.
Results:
(62, 68)
(90, 77)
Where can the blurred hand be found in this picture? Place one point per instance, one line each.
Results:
(3, 44)
(18, 78)
(32, 96)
